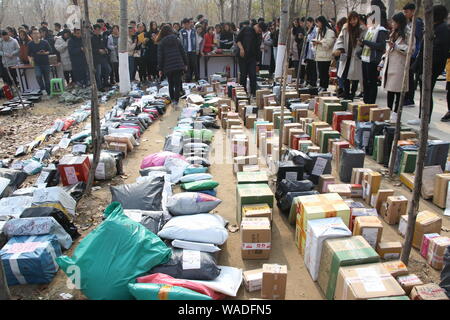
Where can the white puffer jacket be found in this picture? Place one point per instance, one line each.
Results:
(324, 50)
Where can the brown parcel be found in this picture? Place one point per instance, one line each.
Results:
(256, 238)
(365, 282)
(389, 250)
(427, 222)
(440, 189)
(395, 207)
(436, 252)
(374, 182)
(429, 291)
(252, 279)
(261, 210)
(324, 181)
(370, 228)
(286, 130)
(408, 282)
(381, 198)
(396, 268)
(379, 114)
(274, 282)
(429, 177)
(250, 121)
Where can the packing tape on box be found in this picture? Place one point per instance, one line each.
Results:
(257, 246)
(370, 279)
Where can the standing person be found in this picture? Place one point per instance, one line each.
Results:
(141, 47)
(374, 46)
(9, 50)
(440, 51)
(78, 59)
(172, 61)
(38, 51)
(226, 37)
(133, 26)
(339, 25)
(113, 47)
(208, 41)
(100, 55)
(188, 39)
(24, 38)
(217, 34)
(131, 47)
(275, 34)
(310, 59)
(249, 47)
(266, 47)
(409, 10)
(447, 71)
(62, 46)
(346, 48)
(176, 28)
(323, 44)
(45, 35)
(393, 62)
(58, 29)
(152, 52)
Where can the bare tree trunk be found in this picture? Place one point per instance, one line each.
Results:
(290, 5)
(398, 125)
(263, 11)
(426, 101)
(95, 117)
(282, 39)
(390, 8)
(232, 11)
(335, 9)
(249, 9)
(300, 7)
(303, 53)
(4, 290)
(238, 11)
(124, 74)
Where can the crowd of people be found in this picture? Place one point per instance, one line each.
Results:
(366, 50)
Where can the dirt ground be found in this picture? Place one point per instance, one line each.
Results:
(299, 286)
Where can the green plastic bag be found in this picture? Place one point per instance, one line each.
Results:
(113, 255)
(194, 170)
(205, 135)
(154, 291)
(201, 185)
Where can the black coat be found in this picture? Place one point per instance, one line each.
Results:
(171, 55)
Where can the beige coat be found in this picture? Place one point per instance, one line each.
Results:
(324, 50)
(393, 65)
(355, 69)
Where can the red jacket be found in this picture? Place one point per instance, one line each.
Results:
(208, 43)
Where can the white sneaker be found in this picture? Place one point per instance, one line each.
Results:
(394, 117)
(415, 122)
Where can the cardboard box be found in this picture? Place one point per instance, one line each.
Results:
(299, 114)
(250, 121)
(256, 238)
(324, 181)
(408, 282)
(342, 252)
(74, 169)
(318, 207)
(259, 97)
(436, 252)
(253, 279)
(360, 212)
(389, 250)
(381, 197)
(427, 222)
(428, 180)
(344, 190)
(251, 168)
(287, 128)
(336, 150)
(324, 138)
(357, 175)
(252, 194)
(240, 162)
(405, 135)
(394, 208)
(259, 210)
(329, 109)
(429, 291)
(426, 243)
(366, 282)
(373, 185)
(408, 180)
(364, 112)
(252, 177)
(318, 231)
(125, 140)
(370, 228)
(239, 147)
(116, 146)
(303, 145)
(274, 282)
(396, 268)
(379, 114)
(441, 189)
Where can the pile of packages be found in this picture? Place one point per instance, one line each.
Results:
(169, 242)
(338, 220)
(36, 222)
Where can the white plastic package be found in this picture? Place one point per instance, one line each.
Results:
(197, 246)
(228, 282)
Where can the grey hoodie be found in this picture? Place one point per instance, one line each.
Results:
(10, 48)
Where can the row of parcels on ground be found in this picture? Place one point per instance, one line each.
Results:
(338, 220)
(37, 221)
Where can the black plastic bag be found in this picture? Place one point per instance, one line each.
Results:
(16, 177)
(285, 202)
(154, 221)
(59, 216)
(145, 195)
(195, 265)
(286, 186)
(76, 191)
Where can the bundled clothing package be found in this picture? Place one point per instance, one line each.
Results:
(30, 259)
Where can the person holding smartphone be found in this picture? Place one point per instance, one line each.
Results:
(38, 52)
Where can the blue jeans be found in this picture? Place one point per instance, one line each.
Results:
(102, 72)
(43, 77)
